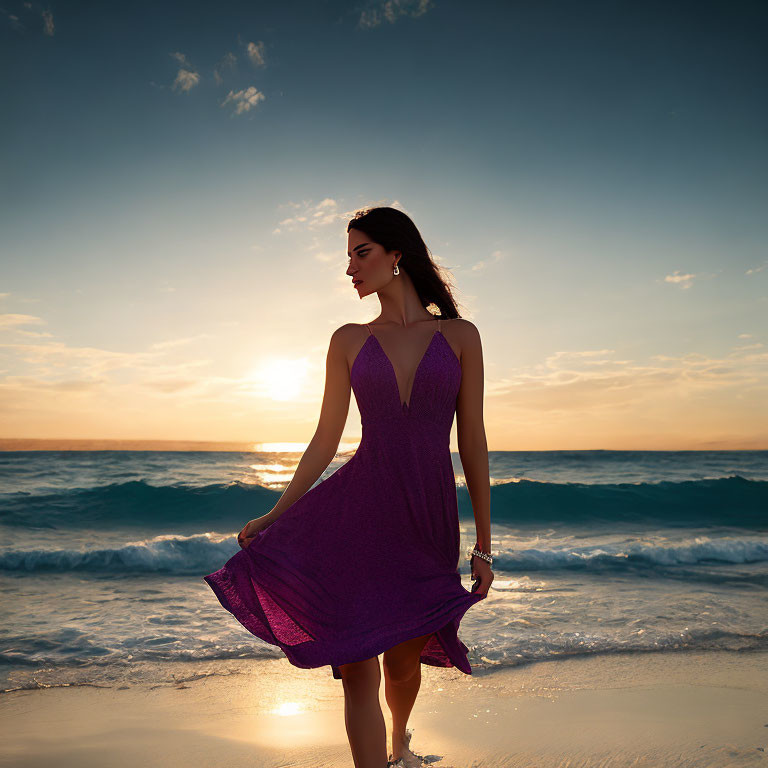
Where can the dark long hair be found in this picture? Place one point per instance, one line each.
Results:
(395, 231)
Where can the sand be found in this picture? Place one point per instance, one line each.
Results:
(657, 710)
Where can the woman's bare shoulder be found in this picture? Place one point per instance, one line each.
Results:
(348, 331)
(462, 329)
(348, 339)
(461, 334)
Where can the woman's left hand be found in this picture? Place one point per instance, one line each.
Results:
(252, 528)
(481, 571)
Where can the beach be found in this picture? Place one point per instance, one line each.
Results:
(625, 626)
(623, 709)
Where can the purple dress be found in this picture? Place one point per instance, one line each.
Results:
(369, 557)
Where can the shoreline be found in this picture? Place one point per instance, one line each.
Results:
(667, 708)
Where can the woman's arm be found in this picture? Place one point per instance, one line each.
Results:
(470, 428)
(333, 415)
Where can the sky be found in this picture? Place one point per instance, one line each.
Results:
(176, 179)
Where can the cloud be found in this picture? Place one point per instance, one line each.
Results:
(187, 76)
(244, 100)
(228, 61)
(255, 53)
(51, 359)
(31, 385)
(312, 216)
(48, 23)
(35, 334)
(181, 58)
(170, 385)
(684, 281)
(186, 80)
(11, 320)
(180, 342)
(495, 257)
(14, 19)
(392, 10)
(59, 366)
(573, 381)
(18, 25)
(108, 377)
(755, 270)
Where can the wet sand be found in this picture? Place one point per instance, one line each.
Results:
(657, 710)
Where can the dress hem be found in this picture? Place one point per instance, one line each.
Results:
(258, 625)
(431, 661)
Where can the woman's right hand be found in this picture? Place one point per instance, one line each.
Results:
(252, 527)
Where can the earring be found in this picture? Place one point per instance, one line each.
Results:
(397, 270)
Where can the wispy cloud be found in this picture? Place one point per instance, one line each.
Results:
(311, 216)
(186, 80)
(496, 256)
(13, 19)
(755, 270)
(228, 62)
(181, 58)
(255, 53)
(683, 280)
(592, 379)
(187, 76)
(11, 320)
(57, 362)
(180, 342)
(244, 100)
(18, 25)
(391, 10)
(107, 376)
(48, 23)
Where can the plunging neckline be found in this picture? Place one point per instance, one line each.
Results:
(403, 405)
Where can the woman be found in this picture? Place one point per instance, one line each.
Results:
(365, 562)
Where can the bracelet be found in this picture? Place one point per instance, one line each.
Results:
(482, 555)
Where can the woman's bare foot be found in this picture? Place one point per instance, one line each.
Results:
(403, 753)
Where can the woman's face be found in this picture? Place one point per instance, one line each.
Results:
(370, 266)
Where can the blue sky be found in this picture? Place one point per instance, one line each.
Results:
(176, 180)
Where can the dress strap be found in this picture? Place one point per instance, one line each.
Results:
(438, 323)
(369, 329)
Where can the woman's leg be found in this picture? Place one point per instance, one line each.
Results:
(366, 730)
(402, 679)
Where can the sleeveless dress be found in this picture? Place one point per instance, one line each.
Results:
(368, 557)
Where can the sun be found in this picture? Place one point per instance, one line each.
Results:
(280, 378)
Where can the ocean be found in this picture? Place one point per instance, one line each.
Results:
(102, 556)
